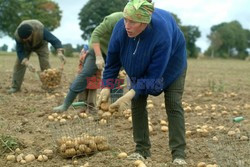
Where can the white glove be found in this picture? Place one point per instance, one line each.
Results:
(61, 55)
(104, 96)
(27, 63)
(99, 61)
(123, 101)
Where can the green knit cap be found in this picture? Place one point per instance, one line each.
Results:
(138, 11)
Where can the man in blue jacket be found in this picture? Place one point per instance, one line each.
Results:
(150, 46)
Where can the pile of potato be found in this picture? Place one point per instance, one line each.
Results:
(50, 78)
(83, 145)
(105, 113)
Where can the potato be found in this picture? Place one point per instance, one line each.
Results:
(23, 161)
(75, 162)
(20, 157)
(142, 165)
(42, 158)
(188, 133)
(244, 138)
(201, 164)
(102, 147)
(48, 153)
(29, 158)
(92, 145)
(163, 106)
(83, 115)
(62, 121)
(150, 128)
(99, 139)
(63, 147)
(51, 118)
(215, 138)
(231, 133)
(122, 155)
(88, 150)
(70, 144)
(18, 150)
(104, 106)
(164, 128)
(103, 121)
(70, 152)
(150, 106)
(137, 162)
(106, 115)
(82, 148)
(163, 123)
(11, 158)
(112, 110)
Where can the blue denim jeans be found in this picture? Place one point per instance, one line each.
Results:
(88, 70)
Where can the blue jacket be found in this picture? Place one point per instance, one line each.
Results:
(153, 59)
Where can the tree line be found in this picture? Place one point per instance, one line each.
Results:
(227, 39)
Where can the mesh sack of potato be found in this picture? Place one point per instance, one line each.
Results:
(85, 144)
(80, 137)
(50, 78)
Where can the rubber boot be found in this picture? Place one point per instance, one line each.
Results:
(67, 102)
(13, 90)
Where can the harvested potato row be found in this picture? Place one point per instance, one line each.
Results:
(83, 145)
(50, 78)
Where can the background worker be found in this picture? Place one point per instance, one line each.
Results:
(94, 60)
(32, 36)
(151, 47)
(88, 96)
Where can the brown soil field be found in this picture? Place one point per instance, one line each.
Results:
(216, 91)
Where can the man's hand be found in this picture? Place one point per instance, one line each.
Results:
(99, 61)
(27, 63)
(31, 68)
(123, 101)
(61, 55)
(104, 96)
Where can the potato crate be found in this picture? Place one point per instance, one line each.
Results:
(231, 148)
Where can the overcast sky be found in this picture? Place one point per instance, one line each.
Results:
(201, 13)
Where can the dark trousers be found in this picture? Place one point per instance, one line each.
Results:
(173, 102)
(88, 70)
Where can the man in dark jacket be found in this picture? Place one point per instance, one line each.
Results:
(32, 36)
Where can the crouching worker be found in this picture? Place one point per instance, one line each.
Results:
(94, 60)
(88, 96)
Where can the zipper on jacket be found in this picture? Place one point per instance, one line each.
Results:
(137, 44)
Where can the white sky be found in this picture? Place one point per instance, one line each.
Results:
(201, 13)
